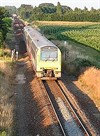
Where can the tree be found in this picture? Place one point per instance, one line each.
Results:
(77, 9)
(92, 9)
(5, 23)
(47, 11)
(11, 9)
(25, 11)
(3, 13)
(1, 39)
(59, 8)
(85, 9)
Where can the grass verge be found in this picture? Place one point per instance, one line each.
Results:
(6, 99)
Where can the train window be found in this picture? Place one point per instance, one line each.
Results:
(49, 54)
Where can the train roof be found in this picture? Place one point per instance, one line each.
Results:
(39, 40)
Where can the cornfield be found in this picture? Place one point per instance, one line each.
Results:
(85, 33)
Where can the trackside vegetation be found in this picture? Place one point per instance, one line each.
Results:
(6, 99)
(5, 24)
(6, 76)
(5, 28)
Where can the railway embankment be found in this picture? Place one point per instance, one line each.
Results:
(89, 81)
(81, 70)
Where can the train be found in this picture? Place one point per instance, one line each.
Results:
(45, 56)
(18, 26)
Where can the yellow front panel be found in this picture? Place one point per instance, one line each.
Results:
(55, 65)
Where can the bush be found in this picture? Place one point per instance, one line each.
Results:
(5, 53)
(1, 53)
(1, 39)
(2, 73)
(3, 133)
(74, 68)
(82, 62)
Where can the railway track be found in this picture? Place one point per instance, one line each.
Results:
(19, 39)
(68, 119)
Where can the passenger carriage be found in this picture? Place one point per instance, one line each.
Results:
(45, 56)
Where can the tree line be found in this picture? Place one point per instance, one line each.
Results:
(50, 12)
(5, 23)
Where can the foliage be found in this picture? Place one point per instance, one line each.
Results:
(11, 10)
(46, 5)
(3, 13)
(3, 133)
(82, 63)
(87, 35)
(5, 23)
(47, 11)
(59, 8)
(47, 8)
(5, 52)
(1, 39)
(25, 11)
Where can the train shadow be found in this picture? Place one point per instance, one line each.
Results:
(85, 102)
(22, 47)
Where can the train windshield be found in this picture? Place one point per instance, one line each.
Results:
(49, 54)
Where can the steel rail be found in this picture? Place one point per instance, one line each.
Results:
(60, 124)
(62, 87)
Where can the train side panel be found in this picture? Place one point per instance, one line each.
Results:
(31, 50)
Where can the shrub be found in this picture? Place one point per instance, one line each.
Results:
(1, 39)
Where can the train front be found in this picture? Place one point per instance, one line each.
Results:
(50, 62)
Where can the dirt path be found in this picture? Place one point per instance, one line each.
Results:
(20, 104)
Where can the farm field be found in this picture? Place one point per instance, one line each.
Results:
(81, 39)
(64, 23)
(85, 33)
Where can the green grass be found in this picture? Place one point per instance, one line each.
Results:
(5, 52)
(5, 55)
